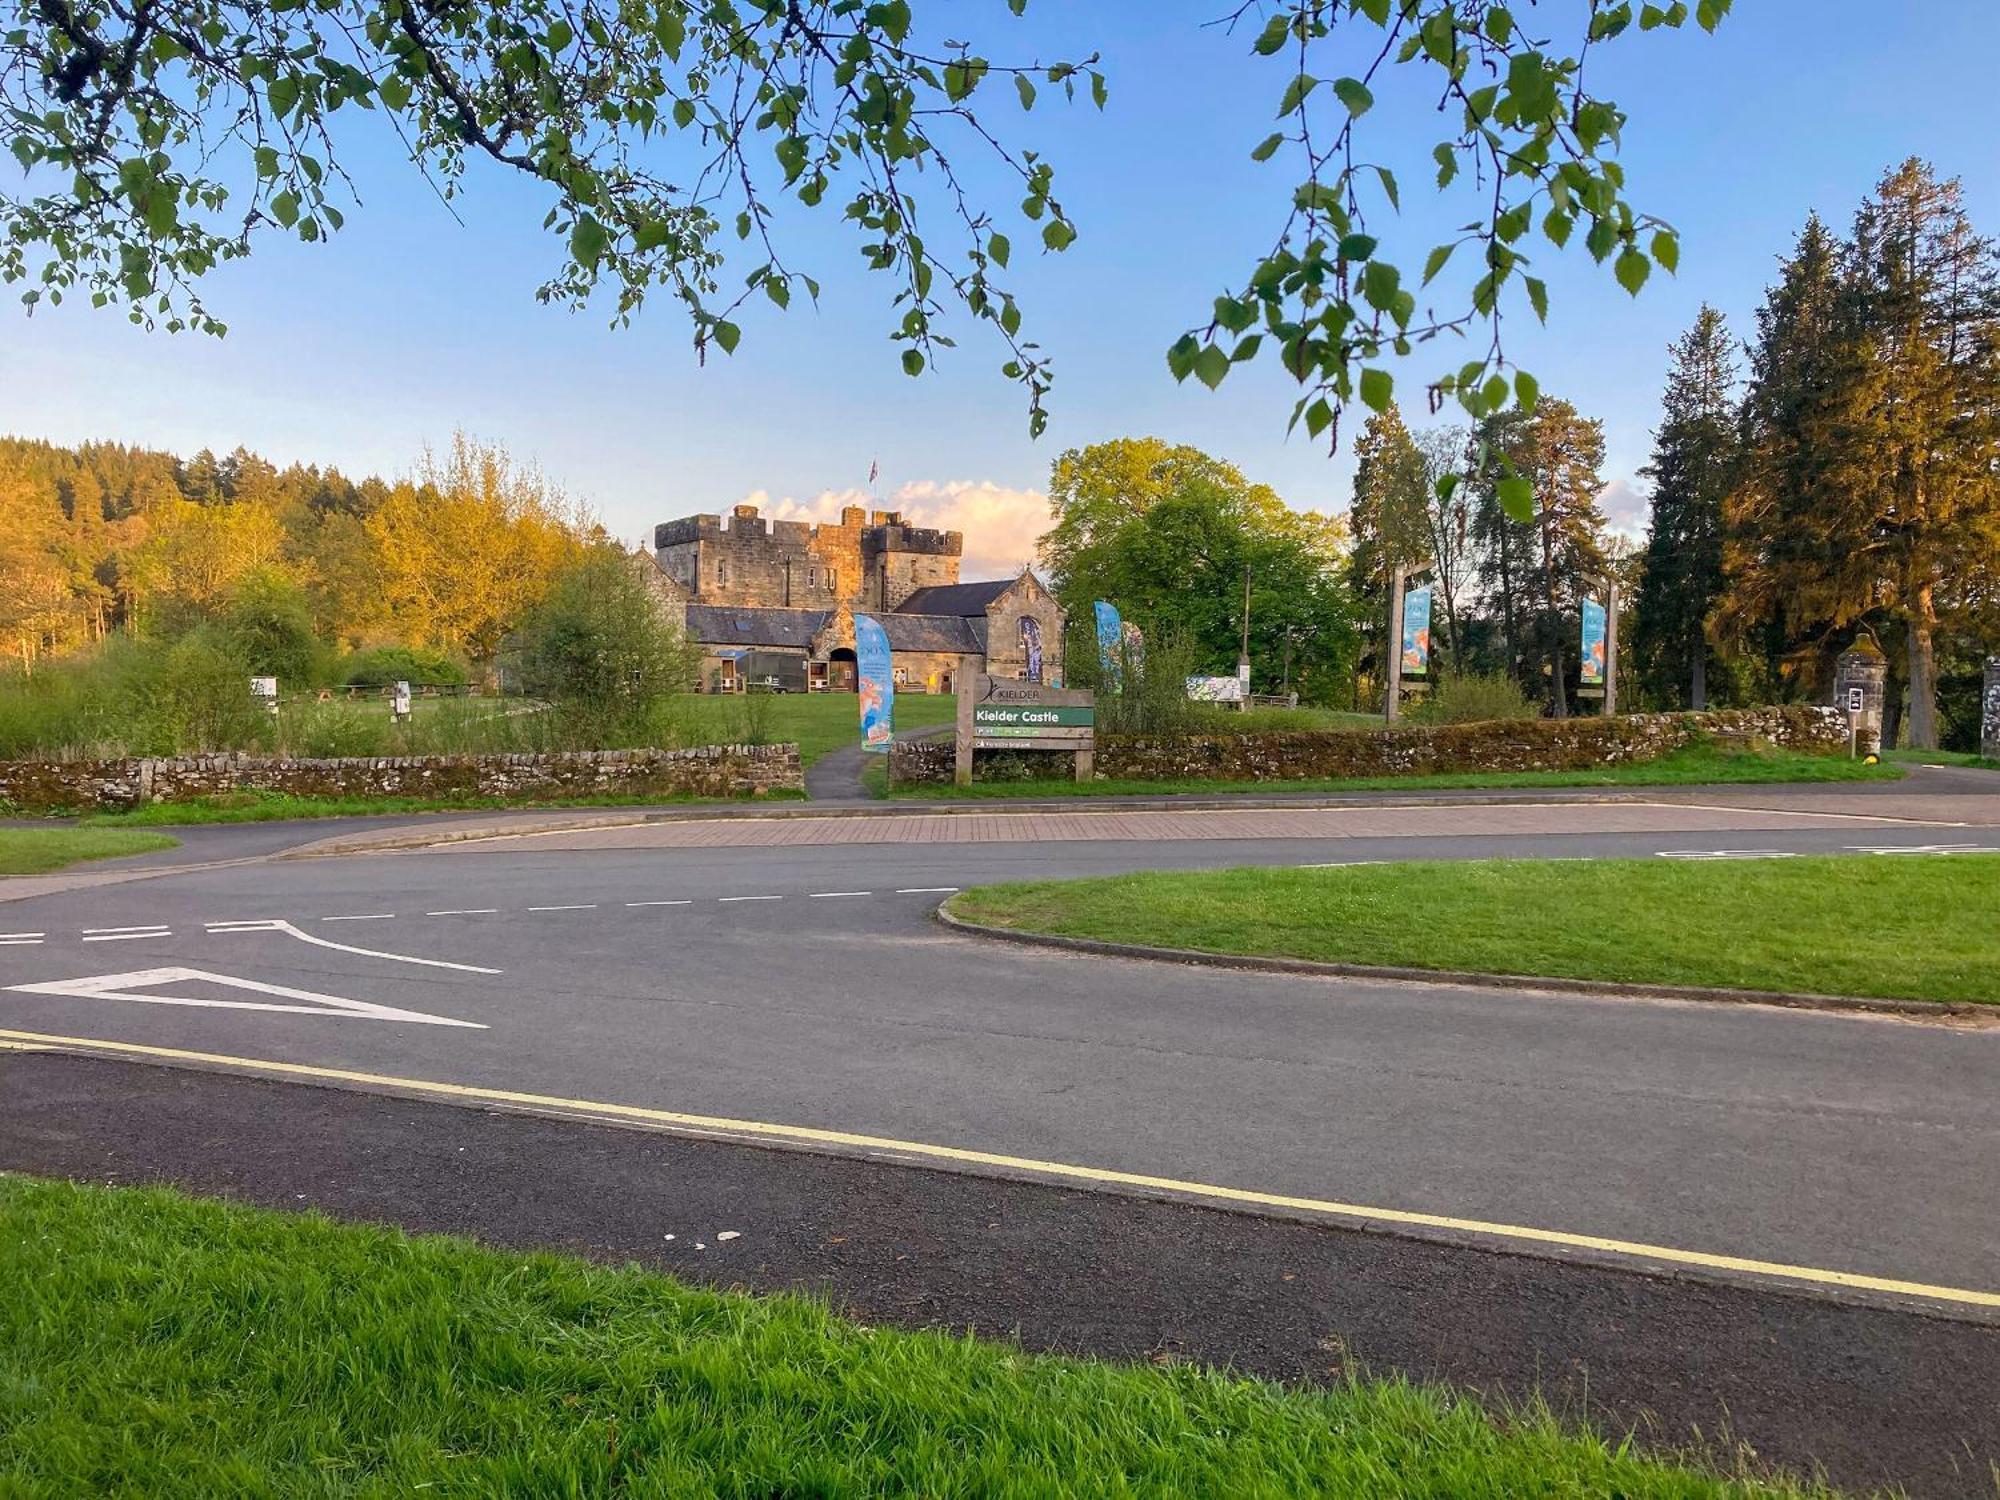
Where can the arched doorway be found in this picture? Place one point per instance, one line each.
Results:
(840, 669)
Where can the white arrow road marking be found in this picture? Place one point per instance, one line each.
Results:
(319, 942)
(121, 987)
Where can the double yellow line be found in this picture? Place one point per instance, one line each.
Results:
(1173, 1187)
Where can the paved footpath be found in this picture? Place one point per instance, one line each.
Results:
(1126, 824)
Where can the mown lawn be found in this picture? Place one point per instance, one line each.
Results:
(1909, 926)
(817, 722)
(35, 851)
(156, 1345)
(1695, 765)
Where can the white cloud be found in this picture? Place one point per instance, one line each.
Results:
(999, 524)
(1625, 507)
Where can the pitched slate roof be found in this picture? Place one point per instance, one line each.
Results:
(908, 632)
(727, 625)
(955, 598)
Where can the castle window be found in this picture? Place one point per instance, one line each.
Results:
(831, 586)
(721, 571)
(812, 578)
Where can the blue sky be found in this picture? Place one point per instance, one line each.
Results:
(408, 324)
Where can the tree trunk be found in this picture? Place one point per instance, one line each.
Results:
(1558, 688)
(1552, 622)
(1923, 669)
(1698, 678)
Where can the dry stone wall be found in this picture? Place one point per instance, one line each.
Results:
(1503, 745)
(709, 771)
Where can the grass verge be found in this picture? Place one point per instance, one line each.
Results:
(1942, 758)
(155, 1344)
(1696, 765)
(1903, 928)
(35, 851)
(271, 807)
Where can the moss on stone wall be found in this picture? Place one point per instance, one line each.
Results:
(709, 771)
(1452, 749)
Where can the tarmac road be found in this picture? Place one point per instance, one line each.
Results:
(759, 972)
(806, 984)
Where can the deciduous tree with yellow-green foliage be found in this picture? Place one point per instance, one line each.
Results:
(468, 546)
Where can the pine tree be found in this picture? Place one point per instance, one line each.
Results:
(1448, 527)
(1869, 496)
(1928, 295)
(1386, 522)
(1504, 544)
(1798, 575)
(1548, 565)
(1693, 464)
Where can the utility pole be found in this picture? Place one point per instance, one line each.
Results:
(1392, 645)
(1243, 657)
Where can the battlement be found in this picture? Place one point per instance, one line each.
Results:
(879, 531)
(867, 557)
(890, 535)
(686, 529)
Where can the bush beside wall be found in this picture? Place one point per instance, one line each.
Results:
(1450, 749)
(709, 771)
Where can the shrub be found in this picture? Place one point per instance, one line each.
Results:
(1148, 693)
(268, 627)
(201, 701)
(1472, 699)
(599, 648)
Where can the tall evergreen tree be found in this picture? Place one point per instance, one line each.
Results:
(1692, 467)
(1797, 577)
(1448, 528)
(1504, 545)
(1386, 522)
(1928, 294)
(1543, 568)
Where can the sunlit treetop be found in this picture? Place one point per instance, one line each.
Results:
(162, 137)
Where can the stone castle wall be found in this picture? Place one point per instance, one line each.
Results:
(908, 560)
(708, 771)
(1005, 654)
(868, 561)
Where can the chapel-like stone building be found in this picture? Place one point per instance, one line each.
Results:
(772, 603)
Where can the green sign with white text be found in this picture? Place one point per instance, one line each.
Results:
(991, 716)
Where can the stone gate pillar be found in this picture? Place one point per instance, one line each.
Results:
(1989, 711)
(1860, 681)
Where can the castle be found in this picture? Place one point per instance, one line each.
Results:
(772, 603)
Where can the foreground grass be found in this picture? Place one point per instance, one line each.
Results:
(1910, 927)
(273, 807)
(34, 851)
(152, 1344)
(1696, 765)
